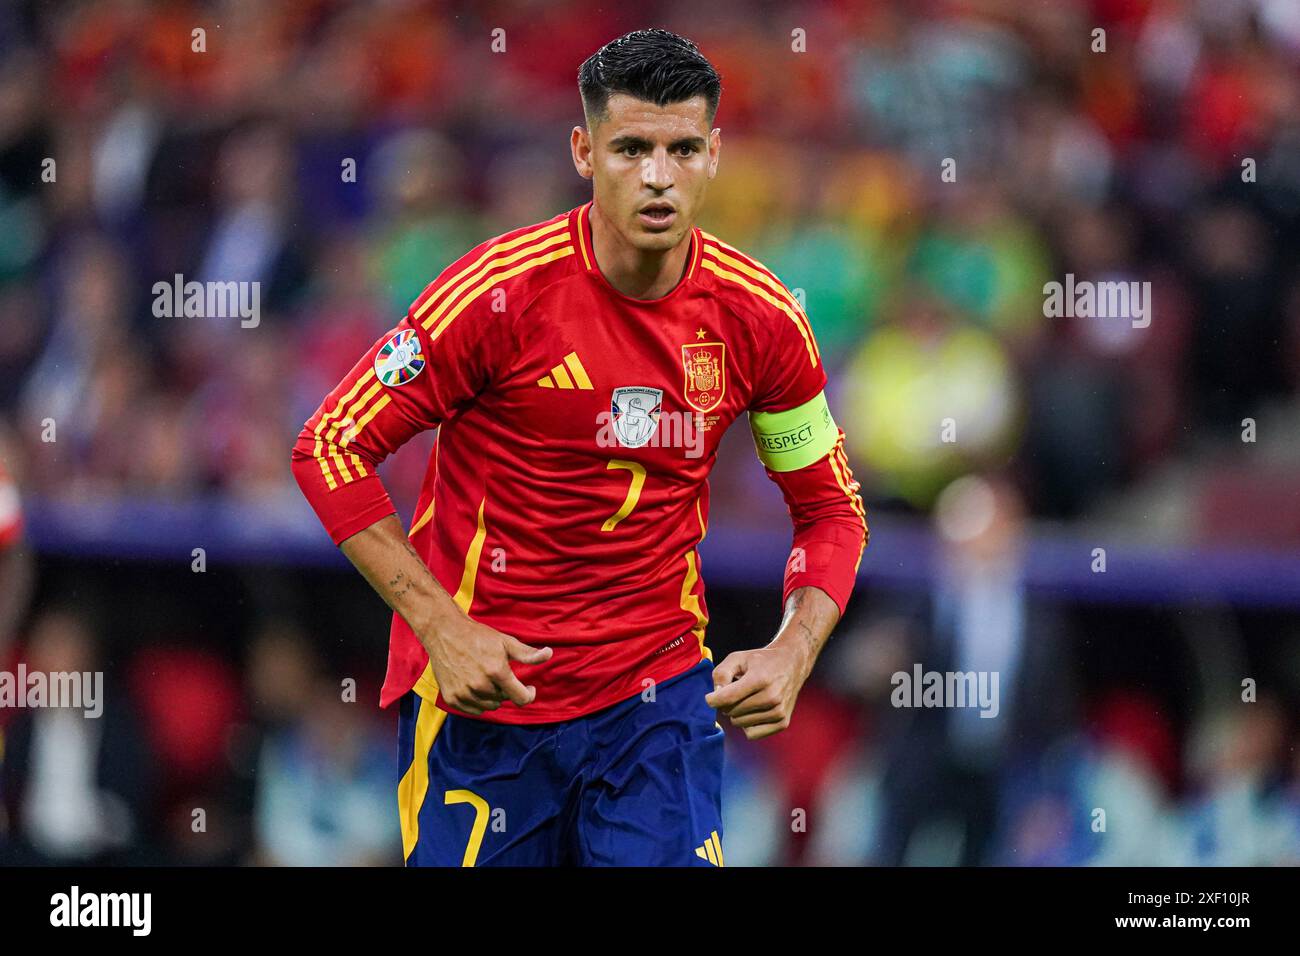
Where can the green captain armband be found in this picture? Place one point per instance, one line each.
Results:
(795, 438)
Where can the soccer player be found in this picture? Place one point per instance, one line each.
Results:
(558, 704)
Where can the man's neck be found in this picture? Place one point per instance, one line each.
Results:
(636, 272)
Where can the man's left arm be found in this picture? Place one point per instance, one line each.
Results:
(802, 450)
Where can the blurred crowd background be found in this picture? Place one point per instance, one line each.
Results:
(1173, 157)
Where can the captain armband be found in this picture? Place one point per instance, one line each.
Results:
(795, 438)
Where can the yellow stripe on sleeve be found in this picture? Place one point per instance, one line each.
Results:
(490, 252)
(472, 282)
(488, 283)
(764, 276)
(744, 283)
(318, 450)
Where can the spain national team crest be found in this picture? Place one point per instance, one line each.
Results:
(706, 374)
(400, 359)
(635, 414)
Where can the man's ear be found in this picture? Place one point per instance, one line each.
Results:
(580, 146)
(715, 150)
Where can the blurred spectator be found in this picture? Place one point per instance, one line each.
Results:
(932, 398)
(324, 785)
(1238, 816)
(76, 787)
(944, 763)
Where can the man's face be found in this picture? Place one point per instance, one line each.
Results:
(650, 166)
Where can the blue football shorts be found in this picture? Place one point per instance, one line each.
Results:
(638, 783)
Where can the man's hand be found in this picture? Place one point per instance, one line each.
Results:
(757, 689)
(471, 661)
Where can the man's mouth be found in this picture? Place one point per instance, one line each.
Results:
(657, 215)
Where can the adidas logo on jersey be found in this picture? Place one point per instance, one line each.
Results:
(561, 377)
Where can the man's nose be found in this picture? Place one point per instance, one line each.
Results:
(656, 171)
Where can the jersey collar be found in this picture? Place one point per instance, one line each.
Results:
(580, 228)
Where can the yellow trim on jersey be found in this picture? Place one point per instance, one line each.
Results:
(351, 429)
(342, 466)
(414, 785)
(428, 512)
(422, 520)
(427, 685)
(796, 437)
(690, 601)
(840, 466)
(726, 274)
(464, 595)
(349, 417)
(348, 423)
(330, 451)
(462, 298)
(320, 425)
(491, 251)
(766, 277)
(364, 420)
(582, 239)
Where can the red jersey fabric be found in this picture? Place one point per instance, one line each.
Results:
(567, 490)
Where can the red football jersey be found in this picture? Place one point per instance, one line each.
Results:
(566, 493)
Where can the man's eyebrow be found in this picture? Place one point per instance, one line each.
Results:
(620, 142)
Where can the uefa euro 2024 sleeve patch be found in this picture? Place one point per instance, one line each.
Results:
(400, 359)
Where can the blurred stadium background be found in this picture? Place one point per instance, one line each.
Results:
(1121, 690)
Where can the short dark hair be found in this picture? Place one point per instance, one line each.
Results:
(653, 65)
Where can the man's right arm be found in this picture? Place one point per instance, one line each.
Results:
(471, 660)
(371, 413)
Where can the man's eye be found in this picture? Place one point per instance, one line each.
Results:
(686, 150)
(631, 150)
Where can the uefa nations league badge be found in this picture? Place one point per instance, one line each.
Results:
(635, 413)
(401, 358)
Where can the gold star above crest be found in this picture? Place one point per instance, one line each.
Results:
(700, 334)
